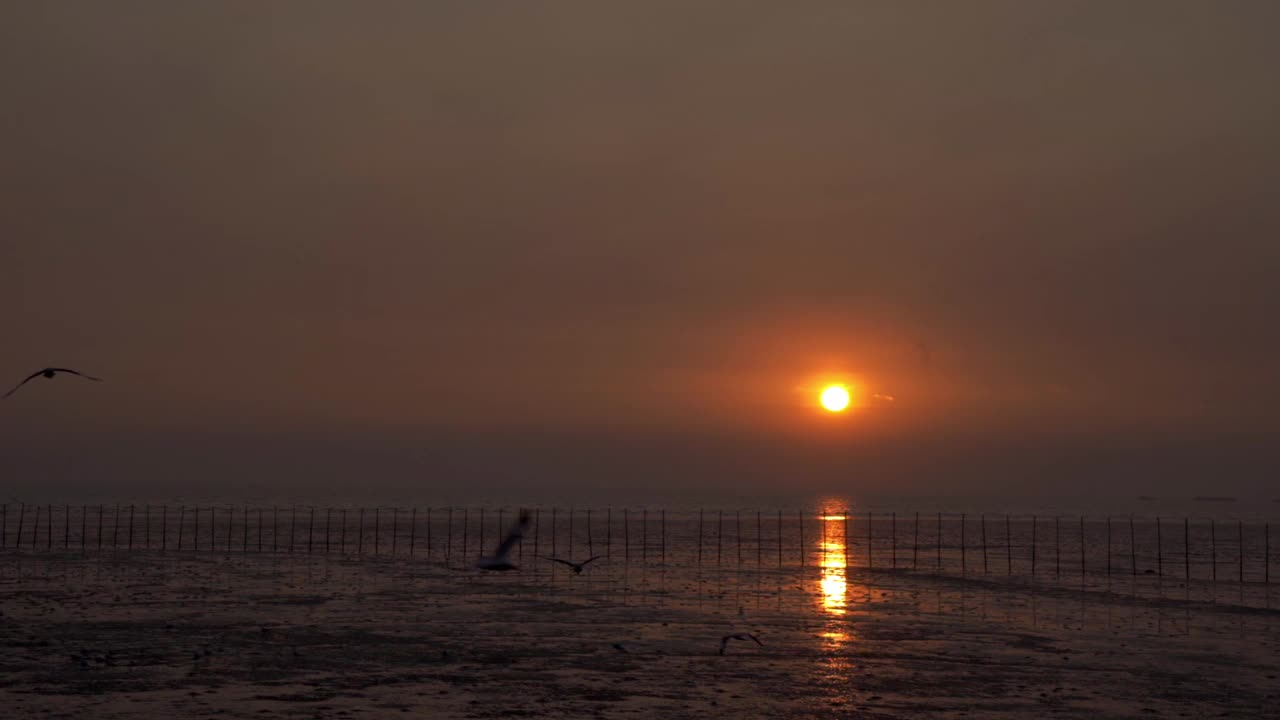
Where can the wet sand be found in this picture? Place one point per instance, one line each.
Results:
(152, 635)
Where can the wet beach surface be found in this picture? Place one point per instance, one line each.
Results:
(279, 635)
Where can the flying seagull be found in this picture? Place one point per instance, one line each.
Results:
(500, 559)
(577, 567)
(48, 373)
(724, 641)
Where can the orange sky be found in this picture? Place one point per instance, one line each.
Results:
(1013, 217)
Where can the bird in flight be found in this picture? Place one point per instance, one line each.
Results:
(48, 373)
(724, 641)
(577, 567)
(501, 558)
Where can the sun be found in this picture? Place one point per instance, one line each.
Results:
(835, 398)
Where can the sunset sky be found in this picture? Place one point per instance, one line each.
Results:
(577, 244)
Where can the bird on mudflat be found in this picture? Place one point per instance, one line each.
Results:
(48, 373)
(577, 567)
(724, 641)
(501, 558)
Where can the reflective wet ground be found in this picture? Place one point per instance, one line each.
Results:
(244, 634)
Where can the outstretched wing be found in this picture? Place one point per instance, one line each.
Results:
(584, 562)
(514, 536)
(562, 562)
(74, 372)
(753, 637)
(26, 380)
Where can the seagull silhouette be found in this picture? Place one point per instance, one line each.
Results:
(48, 373)
(724, 641)
(501, 560)
(577, 567)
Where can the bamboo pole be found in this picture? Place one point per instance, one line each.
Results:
(1159, 550)
(915, 543)
(800, 521)
(982, 519)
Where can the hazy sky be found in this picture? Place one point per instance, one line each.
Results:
(609, 244)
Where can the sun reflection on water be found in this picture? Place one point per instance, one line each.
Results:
(834, 564)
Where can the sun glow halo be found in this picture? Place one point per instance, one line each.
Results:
(835, 398)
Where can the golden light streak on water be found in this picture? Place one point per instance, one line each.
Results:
(834, 564)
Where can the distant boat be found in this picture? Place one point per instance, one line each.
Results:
(1213, 498)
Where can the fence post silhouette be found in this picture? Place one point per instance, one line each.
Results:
(848, 552)
(571, 514)
(377, 518)
(100, 513)
(870, 543)
(182, 512)
(84, 526)
(293, 526)
(1108, 546)
(360, 534)
(700, 525)
(146, 527)
(4, 525)
(244, 547)
(1213, 550)
(481, 547)
(195, 528)
(311, 527)
(1159, 550)
(328, 529)
(982, 521)
(663, 542)
(892, 534)
(1186, 549)
(915, 543)
(779, 538)
(800, 522)
(939, 548)
(231, 522)
(275, 528)
(1266, 534)
(1082, 551)
(608, 535)
(719, 536)
(1034, 523)
(537, 529)
(1240, 543)
(1133, 549)
(35, 530)
(413, 531)
(964, 560)
(259, 530)
(115, 532)
(448, 536)
(130, 526)
(760, 541)
(553, 539)
(737, 524)
(1057, 547)
(1009, 546)
(893, 539)
(626, 536)
(342, 533)
(644, 539)
(591, 545)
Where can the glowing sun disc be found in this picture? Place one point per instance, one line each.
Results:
(835, 398)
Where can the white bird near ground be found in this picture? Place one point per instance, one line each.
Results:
(724, 641)
(48, 373)
(577, 567)
(501, 558)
